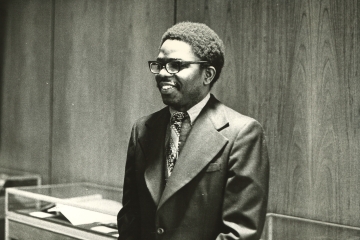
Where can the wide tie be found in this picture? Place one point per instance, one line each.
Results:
(173, 148)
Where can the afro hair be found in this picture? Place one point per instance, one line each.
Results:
(205, 43)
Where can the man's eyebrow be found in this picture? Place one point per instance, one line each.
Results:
(168, 59)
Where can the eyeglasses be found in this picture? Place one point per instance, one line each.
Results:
(171, 67)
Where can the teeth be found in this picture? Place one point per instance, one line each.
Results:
(167, 87)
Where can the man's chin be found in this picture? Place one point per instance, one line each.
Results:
(169, 101)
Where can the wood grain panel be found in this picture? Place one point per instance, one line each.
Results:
(257, 80)
(286, 227)
(295, 142)
(342, 104)
(326, 117)
(102, 83)
(293, 65)
(25, 86)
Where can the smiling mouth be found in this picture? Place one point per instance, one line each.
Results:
(167, 87)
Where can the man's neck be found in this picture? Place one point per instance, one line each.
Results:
(195, 110)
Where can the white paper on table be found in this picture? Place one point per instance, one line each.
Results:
(41, 214)
(103, 229)
(103, 205)
(79, 216)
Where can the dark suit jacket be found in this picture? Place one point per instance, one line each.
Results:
(217, 190)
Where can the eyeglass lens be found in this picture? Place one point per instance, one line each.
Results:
(171, 67)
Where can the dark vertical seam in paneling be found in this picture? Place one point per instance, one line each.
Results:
(175, 11)
(3, 19)
(51, 104)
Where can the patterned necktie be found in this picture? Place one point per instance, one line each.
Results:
(173, 148)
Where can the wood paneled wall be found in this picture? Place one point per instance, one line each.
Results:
(294, 66)
(74, 78)
(102, 83)
(25, 85)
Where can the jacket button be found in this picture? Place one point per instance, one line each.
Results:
(160, 231)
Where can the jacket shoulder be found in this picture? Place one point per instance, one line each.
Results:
(153, 118)
(238, 120)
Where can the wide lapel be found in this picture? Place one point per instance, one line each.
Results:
(202, 145)
(152, 144)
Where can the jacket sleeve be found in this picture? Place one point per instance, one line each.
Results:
(246, 190)
(128, 218)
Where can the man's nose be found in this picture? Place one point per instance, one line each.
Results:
(164, 73)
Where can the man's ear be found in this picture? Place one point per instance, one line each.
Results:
(210, 73)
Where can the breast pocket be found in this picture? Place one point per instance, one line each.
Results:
(213, 167)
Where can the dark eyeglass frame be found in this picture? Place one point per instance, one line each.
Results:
(167, 67)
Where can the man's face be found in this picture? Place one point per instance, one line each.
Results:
(184, 89)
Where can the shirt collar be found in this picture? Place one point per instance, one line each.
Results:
(195, 110)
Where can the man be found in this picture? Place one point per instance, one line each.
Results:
(195, 169)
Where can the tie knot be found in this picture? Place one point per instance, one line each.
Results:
(177, 119)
